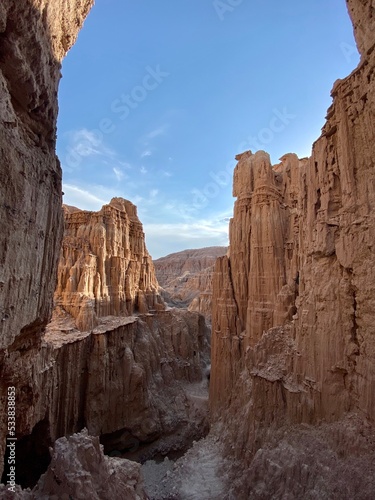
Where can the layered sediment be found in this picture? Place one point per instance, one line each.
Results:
(34, 37)
(111, 347)
(293, 303)
(186, 278)
(113, 359)
(104, 267)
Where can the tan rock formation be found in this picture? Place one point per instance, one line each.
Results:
(186, 278)
(104, 266)
(176, 264)
(82, 456)
(293, 304)
(34, 37)
(362, 15)
(113, 359)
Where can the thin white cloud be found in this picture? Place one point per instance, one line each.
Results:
(84, 146)
(153, 193)
(216, 227)
(80, 198)
(165, 173)
(86, 142)
(124, 164)
(146, 153)
(143, 170)
(118, 173)
(157, 131)
(166, 238)
(137, 199)
(170, 206)
(150, 136)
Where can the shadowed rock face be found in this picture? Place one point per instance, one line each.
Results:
(362, 14)
(294, 302)
(81, 455)
(34, 37)
(79, 469)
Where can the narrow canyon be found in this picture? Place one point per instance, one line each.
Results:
(217, 373)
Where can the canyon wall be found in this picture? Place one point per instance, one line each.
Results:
(104, 266)
(113, 358)
(111, 348)
(294, 302)
(110, 378)
(186, 278)
(34, 37)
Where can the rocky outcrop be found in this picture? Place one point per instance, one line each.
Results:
(115, 376)
(82, 456)
(293, 303)
(79, 469)
(104, 266)
(186, 278)
(34, 37)
(332, 460)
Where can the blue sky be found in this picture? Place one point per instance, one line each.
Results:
(157, 98)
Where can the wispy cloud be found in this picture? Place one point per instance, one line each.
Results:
(186, 230)
(119, 174)
(167, 238)
(87, 143)
(157, 131)
(143, 170)
(85, 147)
(149, 137)
(165, 173)
(80, 198)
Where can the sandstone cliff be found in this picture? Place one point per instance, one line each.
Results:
(104, 266)
(293, 304)
(186, 278)
(108, 379)
(112, 359)
(34, 37)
